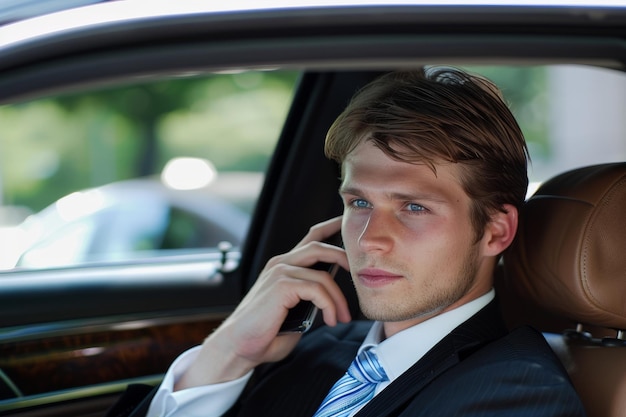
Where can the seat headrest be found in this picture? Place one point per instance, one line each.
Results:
(569, 255)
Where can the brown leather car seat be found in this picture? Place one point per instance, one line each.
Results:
(566, 274)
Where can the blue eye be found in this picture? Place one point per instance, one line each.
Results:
(415, 207)
(358, 203)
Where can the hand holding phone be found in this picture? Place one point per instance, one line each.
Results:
(301, 317)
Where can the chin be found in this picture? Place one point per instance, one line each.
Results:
(390, 311)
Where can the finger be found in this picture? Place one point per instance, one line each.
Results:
(297, 275)
(310, 254)
(322, 291)
(316, 286)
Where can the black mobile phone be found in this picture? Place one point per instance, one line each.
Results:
(301, 317)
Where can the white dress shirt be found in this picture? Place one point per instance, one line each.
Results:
(396, 354)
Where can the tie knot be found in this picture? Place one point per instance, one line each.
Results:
(366, 368)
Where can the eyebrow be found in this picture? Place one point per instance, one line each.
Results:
(396, 195)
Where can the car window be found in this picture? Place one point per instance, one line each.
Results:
(137, 170)
(176, 165)
(571, 115)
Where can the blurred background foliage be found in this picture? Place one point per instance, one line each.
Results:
(53, 146)
(526, 92)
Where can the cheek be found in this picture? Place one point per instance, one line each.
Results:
(432, 240)
(347, 229)
(351, 228)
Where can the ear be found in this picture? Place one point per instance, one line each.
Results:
(500, 230)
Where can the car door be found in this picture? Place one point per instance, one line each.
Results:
(117, 276)
(109, 283)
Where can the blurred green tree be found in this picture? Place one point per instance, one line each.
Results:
(57, 145)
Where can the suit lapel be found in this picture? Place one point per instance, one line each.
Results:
(342, 354)
(483, 327)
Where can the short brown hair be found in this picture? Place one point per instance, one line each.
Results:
(440, 114)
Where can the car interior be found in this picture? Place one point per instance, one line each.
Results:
(73, 338)
(567, 266)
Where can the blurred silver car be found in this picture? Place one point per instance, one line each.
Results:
(139, 218)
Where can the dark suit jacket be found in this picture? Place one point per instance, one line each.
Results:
(477, 370)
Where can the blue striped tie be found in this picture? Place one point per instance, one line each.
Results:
(355, 388)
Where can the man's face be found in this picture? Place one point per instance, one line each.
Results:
(408, 237)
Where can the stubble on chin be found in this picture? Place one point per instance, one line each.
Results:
(390, 310)
(402, 304)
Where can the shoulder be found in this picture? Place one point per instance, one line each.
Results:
(518, 372)
(523, 350)
(524, 344)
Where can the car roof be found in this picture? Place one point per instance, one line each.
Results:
(138, 11)
(145, 13)
(129, 39)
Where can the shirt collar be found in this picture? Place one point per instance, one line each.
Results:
(402, 350)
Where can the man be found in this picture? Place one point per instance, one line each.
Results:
(433, 174)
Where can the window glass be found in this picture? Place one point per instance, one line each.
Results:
(163, 166)
(571, 115)
(137, 170)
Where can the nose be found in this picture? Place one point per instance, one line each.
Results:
(376, 235)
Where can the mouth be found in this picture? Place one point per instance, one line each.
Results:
(374, 277)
